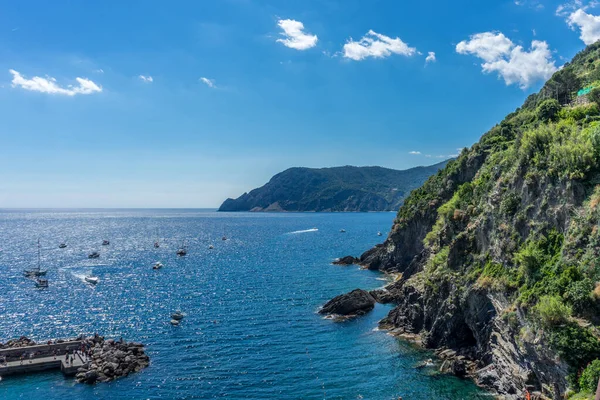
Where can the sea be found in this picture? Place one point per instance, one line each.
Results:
(251, 328)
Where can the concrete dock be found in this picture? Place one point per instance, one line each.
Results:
(42, 357)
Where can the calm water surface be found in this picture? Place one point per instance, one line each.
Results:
(251, 330)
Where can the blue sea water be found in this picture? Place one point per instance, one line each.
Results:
(252, 330)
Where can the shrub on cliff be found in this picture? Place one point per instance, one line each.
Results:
(589, 378)
(551, 311)
(594, 95)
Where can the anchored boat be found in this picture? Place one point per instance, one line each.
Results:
(182, 251)
(41, 283)
(36, 272)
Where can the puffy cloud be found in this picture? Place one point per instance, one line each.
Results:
(414, 152)
(376, 45)
(147, 79)
(49, 85)
(588, 24)
(488, 46)
(430, 57)
(208, 82)
(295, 37)
(514, 64)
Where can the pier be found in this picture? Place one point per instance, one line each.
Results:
(43, 357)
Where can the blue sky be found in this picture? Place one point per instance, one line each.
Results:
(183, 104)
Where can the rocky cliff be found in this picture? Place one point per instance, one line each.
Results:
(499, 251)
(333, 189)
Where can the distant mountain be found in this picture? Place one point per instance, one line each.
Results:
(334, 189)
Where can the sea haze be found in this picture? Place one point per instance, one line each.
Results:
(251, 330)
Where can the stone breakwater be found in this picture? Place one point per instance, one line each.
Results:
(91, 359)
(110, 359)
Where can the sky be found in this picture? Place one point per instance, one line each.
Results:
(185, 103)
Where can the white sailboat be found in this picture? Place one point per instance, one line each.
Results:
(157, 243)
(182, 251)
(36, 272)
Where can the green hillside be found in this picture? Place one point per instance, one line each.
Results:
(500, 251)
(333, 189)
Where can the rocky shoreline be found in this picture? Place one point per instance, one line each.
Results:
(405, 321)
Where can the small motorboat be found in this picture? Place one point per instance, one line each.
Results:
(156, 245)
(342, 230)
(92, 279)
(177, 315)
(94, 254)
(174, 322)
(41, 283)
(211, 247)
(157, 265)
(378, 233)
(105, 243)
(182, 251)
(62, 245)
(224, 238)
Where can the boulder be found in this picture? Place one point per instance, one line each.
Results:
(91, 376)
(348, 260)
(357, 302)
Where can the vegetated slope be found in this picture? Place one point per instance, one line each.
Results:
(333, 189)
(500, 251)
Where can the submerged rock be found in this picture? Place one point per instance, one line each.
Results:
(357, 302)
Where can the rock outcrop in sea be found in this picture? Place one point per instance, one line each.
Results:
(356, 302)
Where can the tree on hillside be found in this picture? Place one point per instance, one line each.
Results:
(594, 95)
(561, 86)
(548, 109)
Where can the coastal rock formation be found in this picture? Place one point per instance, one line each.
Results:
(111, 359)
(499, 250)
(357, 302)
(348, 260)
(333, 189)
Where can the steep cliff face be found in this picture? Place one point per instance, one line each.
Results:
(333, 189)
(499, 252)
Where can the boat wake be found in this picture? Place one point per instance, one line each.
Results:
(303, 231)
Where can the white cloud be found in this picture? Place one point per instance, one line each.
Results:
(569, 7)
(430, 57)
(535, 4)
(414, 152)
(514, 64)
(147, 79)
(442, 156)
(488, 46)
(208, 82)
(376, 45)
(588, 24)
(49, 85)
(295, 37)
